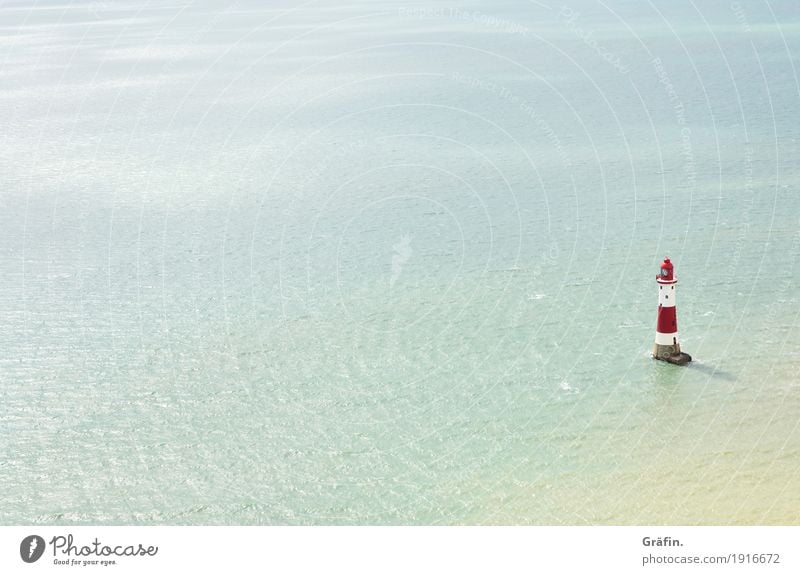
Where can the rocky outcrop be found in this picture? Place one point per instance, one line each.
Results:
(671, 354)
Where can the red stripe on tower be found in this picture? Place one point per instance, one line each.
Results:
(667, 321)
(667, 346)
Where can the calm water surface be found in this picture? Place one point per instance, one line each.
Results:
(381, 262)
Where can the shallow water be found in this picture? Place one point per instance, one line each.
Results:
(379, 263)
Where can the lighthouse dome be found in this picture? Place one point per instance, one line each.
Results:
(666, 270)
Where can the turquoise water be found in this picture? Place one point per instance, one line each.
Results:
(370, 263)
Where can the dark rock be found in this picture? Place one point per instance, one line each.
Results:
(677, 359)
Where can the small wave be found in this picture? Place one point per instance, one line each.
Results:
(512, 269)
(565, 386)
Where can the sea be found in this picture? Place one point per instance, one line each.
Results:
(393, 262)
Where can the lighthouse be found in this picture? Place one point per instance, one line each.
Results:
(667, 346)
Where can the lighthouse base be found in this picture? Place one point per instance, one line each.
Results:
(671, 354)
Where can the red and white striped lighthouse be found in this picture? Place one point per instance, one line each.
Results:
(667, 346)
